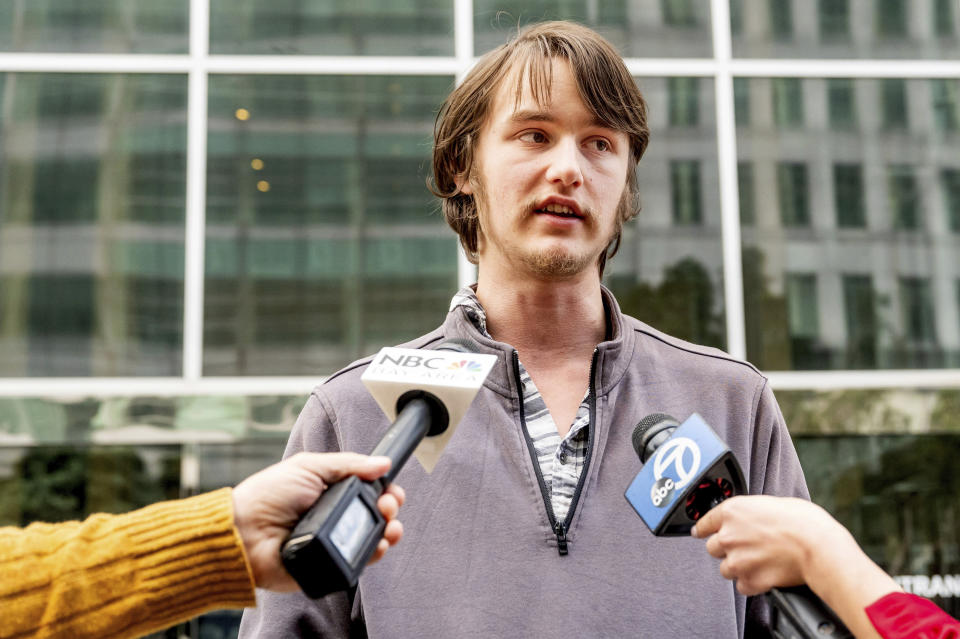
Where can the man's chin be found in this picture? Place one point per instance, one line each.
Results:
(558, 263)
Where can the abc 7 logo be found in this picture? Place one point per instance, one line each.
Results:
(661, 491)
(683, 455)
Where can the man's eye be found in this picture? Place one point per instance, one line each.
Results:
(534, 136)
(601, 145)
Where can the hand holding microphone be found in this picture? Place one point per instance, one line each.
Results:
(266, 506)
(426, 393)
(779, 541)
(688, 472)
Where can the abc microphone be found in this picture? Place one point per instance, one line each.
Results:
(687, 470)
(425, 393)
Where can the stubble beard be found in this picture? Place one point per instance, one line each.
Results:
(553, 262)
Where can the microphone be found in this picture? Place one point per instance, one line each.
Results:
(692, 470)
(425, 393)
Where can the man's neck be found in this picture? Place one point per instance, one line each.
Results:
(549, 318)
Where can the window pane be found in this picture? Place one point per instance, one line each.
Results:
(904, 197)
(893, 103)
(916, 305)
(669, 269)
(845, 29)
(685, 192)
(323, 242)
(360, 27)
(684, 101)
(792, 193)
(745, 187)
(92, 210)
(860, 315)
(741, 100)
(946, 104)
(891, 18)
(95, 26)
(944, 12)
(848, 195)
(950, 182)
(834, 19)
(788, 102)
(637, 28)
(842, 103)
(860, 209)
(781, 19)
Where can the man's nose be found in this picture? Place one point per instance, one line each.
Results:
(565, 163)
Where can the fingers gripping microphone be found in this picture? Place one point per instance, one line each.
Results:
(687, 471)
(425, 393)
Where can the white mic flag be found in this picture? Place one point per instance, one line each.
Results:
(452, 377)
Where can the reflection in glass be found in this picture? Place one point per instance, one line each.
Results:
(62, 483)
(787, 102)
(637, 28)
(881, 29)
(903, 197)
(361, 27)
(848, 195)
(92, 209)
(745, 186)
(950, 183)
(867, 211)
(792, 193)
(946, 104)
(834, 19)
(99, 26)
(669, 271)
(841, 101)
(893, 103)
(345, 252)
(896, 492)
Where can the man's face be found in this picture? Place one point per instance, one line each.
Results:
(547, 180)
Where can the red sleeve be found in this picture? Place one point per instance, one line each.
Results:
(901, 615)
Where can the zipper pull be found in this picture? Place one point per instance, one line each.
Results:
(561, 533)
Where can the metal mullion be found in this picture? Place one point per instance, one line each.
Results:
(912, 379)
(196, 192)
(94, 63)
(846, 68)
(331, 65)
(463, 47)
(729, 196)
(666, 67)
(67, 387)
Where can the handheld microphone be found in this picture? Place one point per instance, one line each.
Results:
(425, 393)
(692, 471)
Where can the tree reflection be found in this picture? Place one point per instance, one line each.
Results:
(681, 305)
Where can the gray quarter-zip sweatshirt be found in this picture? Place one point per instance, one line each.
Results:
(480, 553)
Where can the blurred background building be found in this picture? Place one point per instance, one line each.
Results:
(207, 206)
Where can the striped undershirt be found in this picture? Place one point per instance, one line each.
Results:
(561, 461)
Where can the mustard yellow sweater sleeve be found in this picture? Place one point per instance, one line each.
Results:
(123, 575)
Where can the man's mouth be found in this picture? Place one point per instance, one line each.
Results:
(557, 209)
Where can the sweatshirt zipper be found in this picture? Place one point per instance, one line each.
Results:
(559, 528)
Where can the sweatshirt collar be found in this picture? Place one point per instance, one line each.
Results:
(467, 319)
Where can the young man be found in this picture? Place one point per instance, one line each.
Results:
(522, 529)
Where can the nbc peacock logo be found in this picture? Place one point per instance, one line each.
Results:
(465, 365)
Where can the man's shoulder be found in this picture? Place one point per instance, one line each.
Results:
(347, 378)
(680, 355)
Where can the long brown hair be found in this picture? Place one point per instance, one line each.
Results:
(604, 84)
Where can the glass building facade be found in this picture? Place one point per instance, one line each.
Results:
(206, 206)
